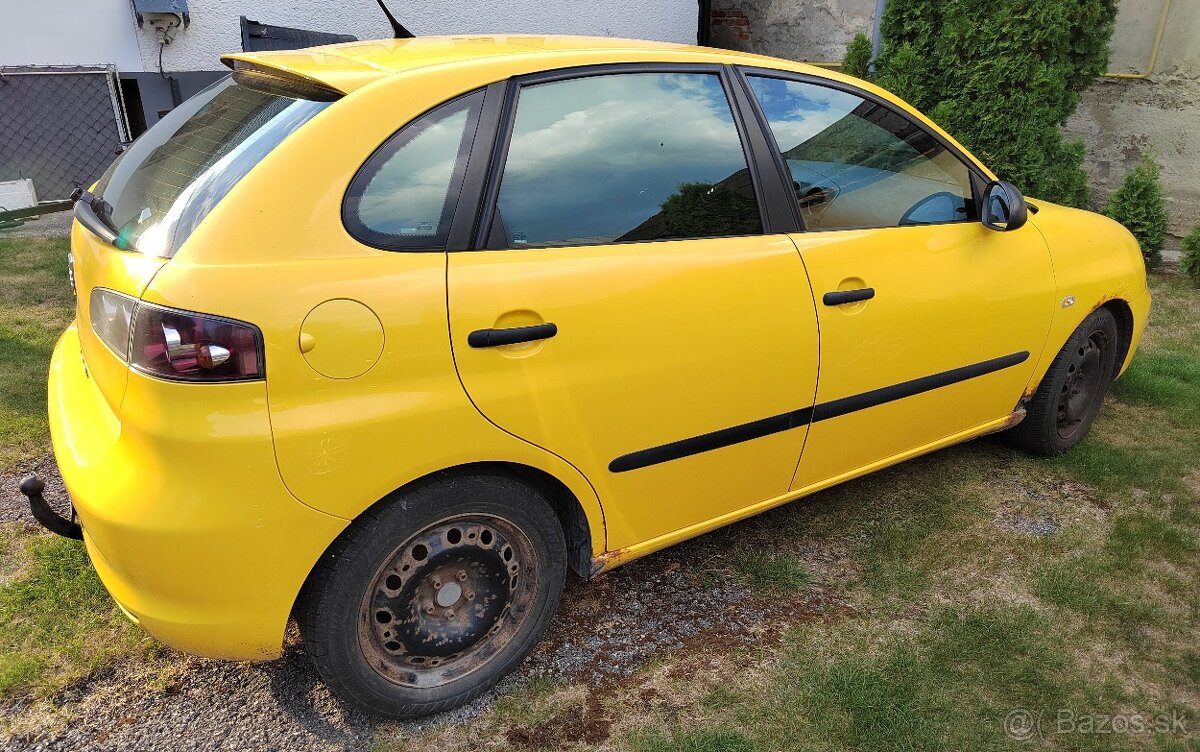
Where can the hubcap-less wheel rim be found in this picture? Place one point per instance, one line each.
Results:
(1083, 388)
(447, 600)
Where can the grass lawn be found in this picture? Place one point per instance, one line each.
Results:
(36, 304)
(57, 624)
(971, 583)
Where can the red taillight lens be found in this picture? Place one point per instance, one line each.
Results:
(187, 346)
(174, 344)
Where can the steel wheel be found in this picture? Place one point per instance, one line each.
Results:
(448, 600)
(1083, 389)
(1071, 392)
(432, 595)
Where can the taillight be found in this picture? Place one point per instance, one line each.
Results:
(177, 345)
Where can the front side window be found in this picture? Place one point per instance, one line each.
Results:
(405, 194)
(623, 157)
(858, 164)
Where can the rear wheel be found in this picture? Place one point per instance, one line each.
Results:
(1072, 391)
(428, 599)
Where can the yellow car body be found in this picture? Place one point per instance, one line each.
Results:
(205, 506)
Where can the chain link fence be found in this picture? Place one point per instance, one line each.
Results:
(59, 125)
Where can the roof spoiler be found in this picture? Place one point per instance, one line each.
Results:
(280, 81)
(398, 28)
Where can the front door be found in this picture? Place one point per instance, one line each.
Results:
(630, 314)
(931, 324)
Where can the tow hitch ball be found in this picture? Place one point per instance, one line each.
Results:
(32, 487)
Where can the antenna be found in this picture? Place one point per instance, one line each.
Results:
(397, 28)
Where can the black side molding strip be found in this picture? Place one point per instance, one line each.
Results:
(709, 441)
(796, 418)
(827, 410)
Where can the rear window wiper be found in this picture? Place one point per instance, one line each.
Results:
(95, 214)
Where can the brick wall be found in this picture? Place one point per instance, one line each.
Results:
(730, 25)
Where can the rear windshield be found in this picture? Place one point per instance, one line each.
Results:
(168, 180)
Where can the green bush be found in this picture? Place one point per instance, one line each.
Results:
(1189, 264)
(1002, 76)
(858, 57)
(1138, 204)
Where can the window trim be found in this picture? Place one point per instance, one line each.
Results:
(976, 176)
(353, 224)
(489, 198)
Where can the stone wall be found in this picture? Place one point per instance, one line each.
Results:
(1117, 117)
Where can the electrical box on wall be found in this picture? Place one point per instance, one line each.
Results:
(163, 17)
(144, 8)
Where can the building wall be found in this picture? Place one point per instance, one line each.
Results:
(69, 32)
(57, 32)
(214, 29)
(1117, 117)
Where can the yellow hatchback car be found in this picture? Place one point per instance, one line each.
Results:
(389, 335)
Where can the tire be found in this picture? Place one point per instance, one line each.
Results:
(434, 594)
(1072, 391)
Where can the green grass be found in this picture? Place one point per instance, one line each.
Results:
(36, 304)
(948, 685)
(772, 572)
(694, 740)
(57, 623)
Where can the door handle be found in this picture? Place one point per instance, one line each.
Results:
(512, 336)
(842, 297)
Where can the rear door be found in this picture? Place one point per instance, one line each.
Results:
(631, 312)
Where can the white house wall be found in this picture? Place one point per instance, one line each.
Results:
(214, 29)
(76, 32)
(69, 32)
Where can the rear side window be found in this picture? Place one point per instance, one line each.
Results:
(623, 157)
(857, 164)
(404, 196)
(168, 180)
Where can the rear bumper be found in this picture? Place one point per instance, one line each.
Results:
(183, 511)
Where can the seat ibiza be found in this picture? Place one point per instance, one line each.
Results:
(391, 335)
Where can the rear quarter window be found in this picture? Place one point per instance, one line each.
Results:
(404, 196)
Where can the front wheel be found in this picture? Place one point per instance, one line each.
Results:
(1069, 397)
(432, 596)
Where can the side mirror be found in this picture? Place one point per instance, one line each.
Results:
(1004, 208)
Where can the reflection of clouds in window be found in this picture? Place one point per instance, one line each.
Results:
(859, 164)
(798, 112)
(595, 157)
(407, 195)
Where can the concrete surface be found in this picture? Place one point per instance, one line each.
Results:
(1120, 118)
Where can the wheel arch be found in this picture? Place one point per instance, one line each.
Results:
(565, 504)
(1123, 313)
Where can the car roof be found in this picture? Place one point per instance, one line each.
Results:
(351, 65)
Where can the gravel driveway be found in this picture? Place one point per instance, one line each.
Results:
(605, 631)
